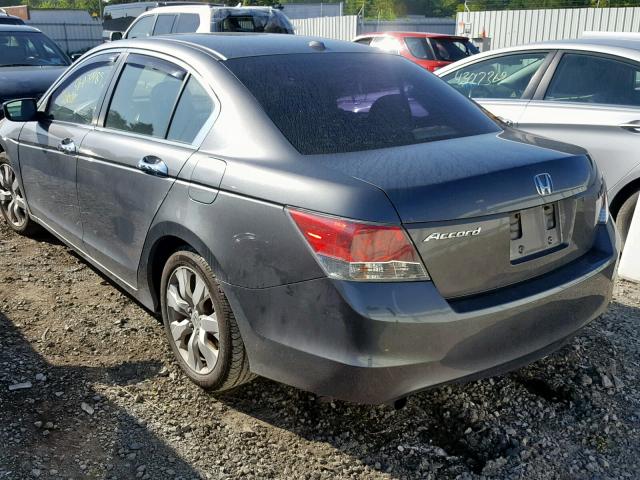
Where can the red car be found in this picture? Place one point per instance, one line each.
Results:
(429, 50)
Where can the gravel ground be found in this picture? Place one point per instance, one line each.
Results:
(102, 398)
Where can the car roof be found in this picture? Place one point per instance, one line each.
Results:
(17, 28)
(611, 45)
(226, 46)
(410, 34)
(589, 42)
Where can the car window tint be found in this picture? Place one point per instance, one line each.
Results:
(142, 28)
(589, 79)
(187, 23)
(419, 47)
(76, 100)
(386, 44)
(194, 109)
(452, 50)
(11, 21)
(164, 24)
(342, 102)
(29, 48)
(499, 77)
(144, 98)
(364, 41)
(248, 19)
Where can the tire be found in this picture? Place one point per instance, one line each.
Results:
(188, 312)
(625, 214)
(15, 214)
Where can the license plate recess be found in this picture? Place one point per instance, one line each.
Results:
(534, 231)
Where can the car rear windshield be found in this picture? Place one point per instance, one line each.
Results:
(344, 102)
(29, 49)
(451, 49)
(250, 20)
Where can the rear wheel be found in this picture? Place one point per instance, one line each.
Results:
(200, 325)
(12, 201)
(625, 214)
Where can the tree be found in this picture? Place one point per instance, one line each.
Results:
(374, 9)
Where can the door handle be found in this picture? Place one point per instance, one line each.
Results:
(67, 146)
(631, 126)
(153, 166)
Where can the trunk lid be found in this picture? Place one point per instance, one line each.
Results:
(474, 212)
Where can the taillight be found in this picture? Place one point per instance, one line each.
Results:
(351, 250)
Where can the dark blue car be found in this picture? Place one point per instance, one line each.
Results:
(29, 62)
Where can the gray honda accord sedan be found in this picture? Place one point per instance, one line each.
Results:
(313, 211)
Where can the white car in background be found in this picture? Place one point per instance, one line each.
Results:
(585, 92)
(208, 18)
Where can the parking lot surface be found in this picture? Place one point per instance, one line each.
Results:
(88, 389)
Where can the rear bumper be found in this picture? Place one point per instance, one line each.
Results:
(376, 342)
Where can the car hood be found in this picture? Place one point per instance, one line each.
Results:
(27, 82)
(467, 177)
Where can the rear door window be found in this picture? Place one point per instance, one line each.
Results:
(505, 76)
(451, 49)
(142, 28)
(419, 47)
(145, 96)
(187, 23)
(590, 79)
(164, 24)
(342, 102)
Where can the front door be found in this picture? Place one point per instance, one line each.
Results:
(49, 147)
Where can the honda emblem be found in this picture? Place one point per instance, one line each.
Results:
(544, 184)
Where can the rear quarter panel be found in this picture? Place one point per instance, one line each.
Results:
(248, 242)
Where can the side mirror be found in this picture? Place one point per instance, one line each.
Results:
(114, 36)
(75, 56)
(23, 110)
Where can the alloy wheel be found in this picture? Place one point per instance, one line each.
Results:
(193, 320)
(11, 198)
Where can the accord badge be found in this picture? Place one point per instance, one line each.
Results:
(445, 236)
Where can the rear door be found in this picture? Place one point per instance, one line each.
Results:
(591, 100)
(48, 147)
(503, 84)
(164, 24)
(128, 164)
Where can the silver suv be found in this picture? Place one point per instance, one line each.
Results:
(207, 19)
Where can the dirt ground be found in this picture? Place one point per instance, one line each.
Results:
(88, 389)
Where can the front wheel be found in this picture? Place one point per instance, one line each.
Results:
(200, 325)
(12, 201)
